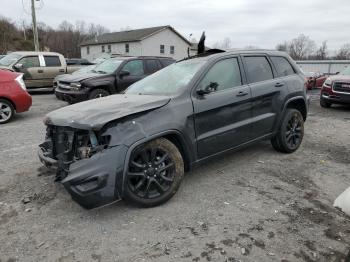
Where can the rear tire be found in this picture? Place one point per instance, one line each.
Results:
(98, 93)
(6, 111)
(154, 174)
(324, 103)
(291, 132)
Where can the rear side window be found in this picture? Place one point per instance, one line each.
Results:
(152, 66)
(166, 62)
(282, 66)
(224, 74)
(258, 68)
(52, 61)
(30, 61)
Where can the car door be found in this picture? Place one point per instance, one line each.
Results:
(130, 73)
(53, 67)
(222, 116)
(265, 93)
(31, 69)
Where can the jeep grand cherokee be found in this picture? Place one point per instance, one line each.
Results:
(136, 146)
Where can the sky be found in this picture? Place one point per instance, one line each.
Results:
(261, 23)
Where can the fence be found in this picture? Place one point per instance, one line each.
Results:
(323, 66)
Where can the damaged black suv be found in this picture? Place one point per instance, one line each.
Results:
(137, 145)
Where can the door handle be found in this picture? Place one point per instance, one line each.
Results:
(242, 93)
(279, 84)
(40, 71)
(61, 71)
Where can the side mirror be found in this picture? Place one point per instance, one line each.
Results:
(337, 73)
(213, 86)
(124, 73)
(18, 67)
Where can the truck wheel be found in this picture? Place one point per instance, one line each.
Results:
(6, 111)
(291, 133)
(154, 174)
(98, 93)
(324, 103)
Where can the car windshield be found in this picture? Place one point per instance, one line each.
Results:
(85, 69)
(168, 81)
(346, 71)
(9, 59)
(107, 67)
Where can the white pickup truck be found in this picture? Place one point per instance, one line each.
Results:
(39, 68)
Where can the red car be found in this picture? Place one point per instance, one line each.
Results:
(13, 95)
(336, 89)
(315, 80)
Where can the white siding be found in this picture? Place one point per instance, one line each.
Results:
(147, 47)
(116, 49)
(151, 45)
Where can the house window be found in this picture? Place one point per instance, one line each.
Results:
(109, 49)
(126, 48)
(172, 49)
(103, 49)
(88, 50)
(162, 49)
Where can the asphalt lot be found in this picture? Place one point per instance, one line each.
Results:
(252, 205)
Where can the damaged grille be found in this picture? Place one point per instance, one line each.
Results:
(343, 87)
(67, 145)
(62, 148)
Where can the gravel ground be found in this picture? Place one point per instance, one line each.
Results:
(253, 205)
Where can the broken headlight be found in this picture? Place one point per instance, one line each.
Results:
(75, 86)
(89, 144)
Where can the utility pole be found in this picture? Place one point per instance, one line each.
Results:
(35, 29)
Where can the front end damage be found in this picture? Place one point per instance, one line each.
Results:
(88, 166)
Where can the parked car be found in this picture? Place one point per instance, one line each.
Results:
(112, 76)
(83, 70)
(39, 68)
(78, 61)
(336, 89)
(315, 80)
(13, 95)
(137, 145)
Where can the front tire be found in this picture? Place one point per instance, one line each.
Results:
(291, 133)
(154, 174)
(98, 93)
(324, 103)
(6, 111)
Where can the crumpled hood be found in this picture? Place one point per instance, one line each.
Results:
(94, 114)
(77, 77)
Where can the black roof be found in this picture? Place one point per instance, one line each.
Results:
(129, 36)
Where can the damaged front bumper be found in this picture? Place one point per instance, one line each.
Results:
(92, 182)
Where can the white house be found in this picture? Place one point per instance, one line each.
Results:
(162, 41)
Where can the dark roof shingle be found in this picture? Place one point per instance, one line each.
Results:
(125, 36)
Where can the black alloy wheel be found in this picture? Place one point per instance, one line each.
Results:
(98, 93)
(154, 173)
(291, 133)
(294, 131)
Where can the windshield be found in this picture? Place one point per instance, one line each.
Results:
(168, 81)
(107, 67)
(9, 59)
(346, 71)
(85, 69)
